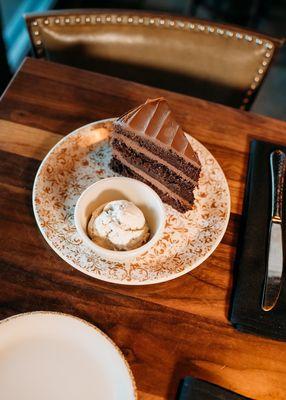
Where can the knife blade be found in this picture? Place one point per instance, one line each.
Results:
(274, 268)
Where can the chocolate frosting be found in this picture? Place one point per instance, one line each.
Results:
(155, 120)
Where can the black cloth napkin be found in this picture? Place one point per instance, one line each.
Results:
(196, 389)
(245, 312)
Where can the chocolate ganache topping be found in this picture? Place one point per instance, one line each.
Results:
(155, 121)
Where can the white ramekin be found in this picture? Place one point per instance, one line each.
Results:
(120, 188)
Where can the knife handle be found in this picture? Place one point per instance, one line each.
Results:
(278, 167)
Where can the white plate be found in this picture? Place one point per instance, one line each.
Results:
(53, 356)
(82, 158)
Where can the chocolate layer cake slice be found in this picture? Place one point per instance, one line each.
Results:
(148, 144)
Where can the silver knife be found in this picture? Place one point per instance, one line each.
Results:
(274, 268)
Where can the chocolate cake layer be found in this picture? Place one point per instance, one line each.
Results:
(148, 143)
(157, 170)
(179, 204)
(169, 156)
(138, 147)
(154, 120)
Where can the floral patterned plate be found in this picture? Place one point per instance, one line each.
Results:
(80, 159)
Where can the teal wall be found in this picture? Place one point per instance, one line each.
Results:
(14, 30)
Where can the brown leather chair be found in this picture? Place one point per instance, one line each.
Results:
(216, 62)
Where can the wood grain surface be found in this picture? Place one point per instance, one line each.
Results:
(168, 330)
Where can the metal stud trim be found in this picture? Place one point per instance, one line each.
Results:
(162, 22)
(260, 73)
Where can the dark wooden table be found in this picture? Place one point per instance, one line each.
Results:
(166, 331)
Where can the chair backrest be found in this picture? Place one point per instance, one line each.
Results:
(216, 62)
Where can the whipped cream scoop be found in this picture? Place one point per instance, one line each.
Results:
(118, 225)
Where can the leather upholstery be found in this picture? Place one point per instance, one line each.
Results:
(218, 63)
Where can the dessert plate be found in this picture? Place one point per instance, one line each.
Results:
(80, 159)
(46, 355)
